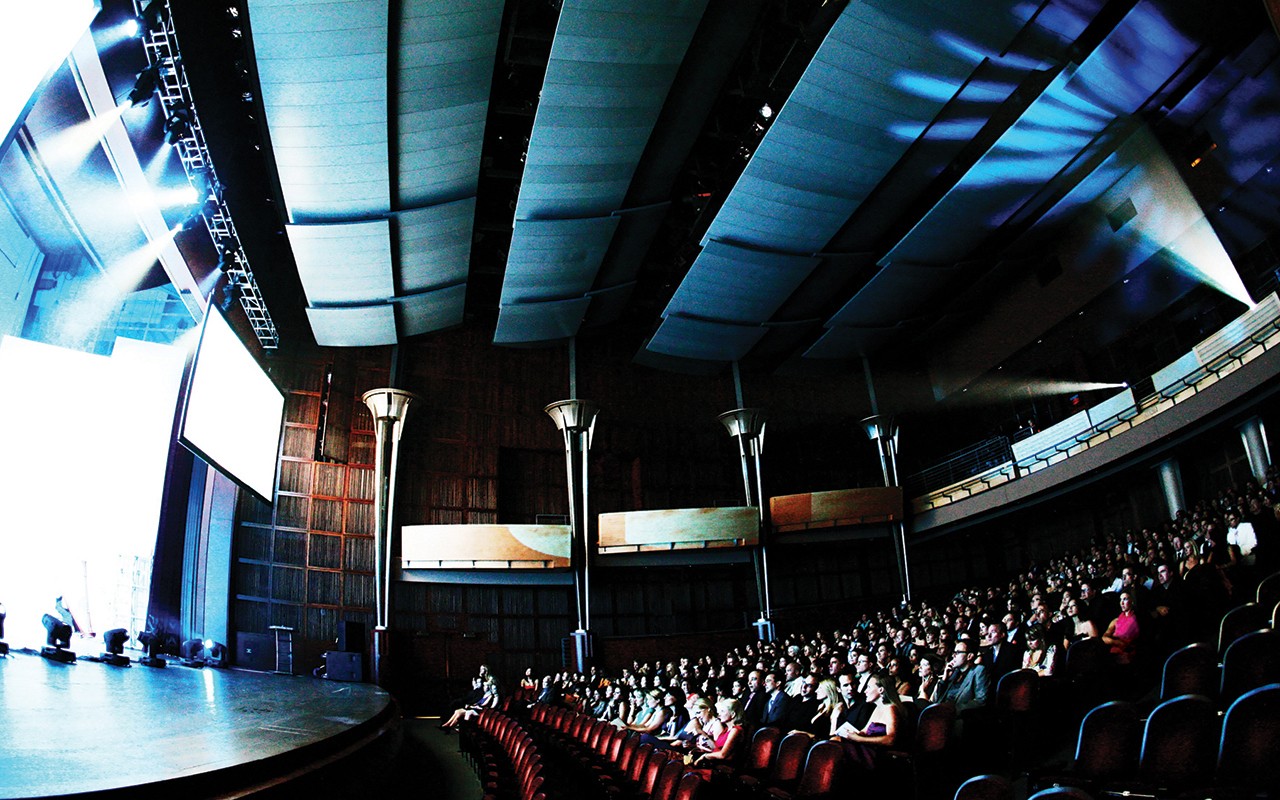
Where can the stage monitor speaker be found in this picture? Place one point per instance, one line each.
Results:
(351, 638)
(256, 651)
(341, 666)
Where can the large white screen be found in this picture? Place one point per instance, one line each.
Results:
(233, 412)
(85, 443)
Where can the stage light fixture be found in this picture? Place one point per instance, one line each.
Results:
(4, 648)
(57, 640)
(153, 642)
(145, 86)
(215, 653)
(178, 126)
(192, 653)
(154, 14)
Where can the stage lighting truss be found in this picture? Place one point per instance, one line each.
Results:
(161, 44)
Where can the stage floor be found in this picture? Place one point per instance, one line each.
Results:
(87, 727)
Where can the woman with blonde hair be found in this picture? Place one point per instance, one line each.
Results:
(724, 747)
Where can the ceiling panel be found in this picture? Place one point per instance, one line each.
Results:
(432, 311)
(736, 284)
(353, 326)
(445, 59)
(702, 339)
(548, 321)
(343, 263)
(320, 61)
(434, 245)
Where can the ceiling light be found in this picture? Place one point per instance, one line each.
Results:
(766, 111)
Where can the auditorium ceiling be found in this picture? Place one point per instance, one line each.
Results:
(794, 184)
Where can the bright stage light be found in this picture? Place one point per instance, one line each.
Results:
(66, 150)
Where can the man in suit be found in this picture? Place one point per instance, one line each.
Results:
(754, 701)
(777, 708)
(965, 684)
(1000, 656)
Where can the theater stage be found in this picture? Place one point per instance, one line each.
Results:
(87, 727)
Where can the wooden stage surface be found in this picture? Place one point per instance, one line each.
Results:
(91, 728)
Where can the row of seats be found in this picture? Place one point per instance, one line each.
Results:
(610, 762)
(504, 757)
(1185, 743)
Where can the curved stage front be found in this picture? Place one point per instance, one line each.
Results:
(89, 728)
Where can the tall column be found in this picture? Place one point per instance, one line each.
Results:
(1254, 436)
(390, 408)
(576, 420)
(882, 430)
(1171, 486)
(746, 426)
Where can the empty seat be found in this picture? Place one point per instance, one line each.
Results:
(985, 787)
(1180, 743)
(1241, 620)
(787, 764)
(1190, 670)
(1268, 594)
(1251, 661)
(1061, 793)
(1249, 750)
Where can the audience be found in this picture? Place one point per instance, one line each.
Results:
(1143, 593)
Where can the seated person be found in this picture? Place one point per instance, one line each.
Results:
(488, 700)
(864, 747)
(724, 746)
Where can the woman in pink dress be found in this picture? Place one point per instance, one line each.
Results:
(1122, 633)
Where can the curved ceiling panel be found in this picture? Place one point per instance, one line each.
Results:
(547, 321)
(321, 61)
(610, 71)
(445, 71)
(353, 326)
(431, 311)
(344, 264)
(736, 284)
(434, 246)
(702, 339)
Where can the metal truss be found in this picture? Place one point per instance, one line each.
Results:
(174, 93)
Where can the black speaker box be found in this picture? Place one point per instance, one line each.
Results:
(256, 651)
(351, 637)
(340, 666)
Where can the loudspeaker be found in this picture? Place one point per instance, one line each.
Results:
(256, 651)
(339, 666)
(351, 637)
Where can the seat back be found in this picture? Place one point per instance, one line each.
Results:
(933, 728)
(1109, 742)
(689, 788)
(1190, 670)
(1239, 621)
(1251, 661)
(668, 778)
(1249, 752)
(623, 761)
(791, 753)
(985, 787)
(1268, 594)
(635, 768)
(1180, 743)
(821, 767)
(1016, 691)
(763, 746)
(649, 775)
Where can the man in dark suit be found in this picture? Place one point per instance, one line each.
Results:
(754, 700)
(805, 707)
(1000, 656)
(777, 708)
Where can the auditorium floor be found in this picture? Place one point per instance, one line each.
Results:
(423, 762)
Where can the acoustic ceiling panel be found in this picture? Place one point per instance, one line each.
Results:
(445, 61)
(894, 294)
(850, 342)
(353, 326)
(343, 263)
(525, 323)
(322, 65)
(611, 67)
(736, 284)
(837, 135)
(432, 311)
(1079, 106)
(434, 245)
(555, 259)
(701, 339)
